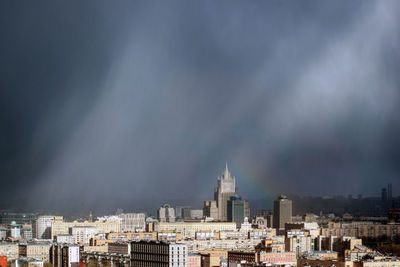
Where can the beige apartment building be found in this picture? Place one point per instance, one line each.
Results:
(39, 251)
(11, 250)
(59, 227)
(189, 229)
(129, 236)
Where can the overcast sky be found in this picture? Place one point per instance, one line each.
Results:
(118, 102)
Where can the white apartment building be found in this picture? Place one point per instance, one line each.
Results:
(42, 227)
(132, 222)
(82, 234)
(166, 214)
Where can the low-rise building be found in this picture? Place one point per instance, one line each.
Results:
(210, 260)
(129, 236)
(132, 222)
(3, 261)
(11, 250)
(104, 226)
(383, 262)
(323, 263)
(237, 257)
(40, 251)
(193, 260)
(278, 258)
(69, 239)
(265, 233)
(169, 236)
(26, 262)
(119, 248)
(321, 255)
(189, 229)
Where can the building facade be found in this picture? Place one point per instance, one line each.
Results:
(59, 227)
(158, 254)
(42, 227)
(132, 222)
(166, 213)
(210, 209)
(189, 229)
(38, 251)
(223, 192)
(11, 250)
(64, 255)
(237, 210)
(282, 212)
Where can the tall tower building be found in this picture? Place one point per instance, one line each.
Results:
(237, 210)
(384, 195)
(390, 196)
(226, 188)
(282, 212)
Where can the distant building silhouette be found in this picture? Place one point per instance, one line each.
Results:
(390, 196)
(384, 195)
(282, 212)
(166, 213)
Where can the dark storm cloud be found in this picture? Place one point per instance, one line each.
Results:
(110, 104)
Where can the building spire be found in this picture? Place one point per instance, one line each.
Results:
(226, 172)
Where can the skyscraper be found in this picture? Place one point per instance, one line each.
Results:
(390, 196)
(237, 210)
(226, 188)
(384, 195)
(282, 212)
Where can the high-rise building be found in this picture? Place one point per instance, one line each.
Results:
(42, 228)
(237, 209)
(210, 209)
(226, 188)
(282, 212)
(390, 196)
(166, 214)
(384, 195)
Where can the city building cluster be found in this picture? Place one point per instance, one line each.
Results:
(223, 233)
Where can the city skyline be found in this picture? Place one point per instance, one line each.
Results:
(119, 104)
(226, 187)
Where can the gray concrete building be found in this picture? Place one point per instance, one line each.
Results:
(282, 212)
